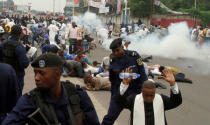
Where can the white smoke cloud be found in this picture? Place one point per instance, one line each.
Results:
(89, 21)
(176, 44)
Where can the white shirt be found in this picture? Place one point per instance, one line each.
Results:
(73, 32)
(208, 33)
(52, 29)
(124, 87)
(32, 51)
(91, 68)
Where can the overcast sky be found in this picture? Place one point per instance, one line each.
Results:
(44, 5)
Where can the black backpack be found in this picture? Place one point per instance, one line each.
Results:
(9, 55)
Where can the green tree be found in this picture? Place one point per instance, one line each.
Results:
(140, 8)
(205, 17)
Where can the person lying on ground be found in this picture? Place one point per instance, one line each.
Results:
(72, 68)
(89, 69)
(104, 74)
(148, 73)
(148, 108)
(96, 64)
(96, 83)
(178, 74)
(147, 59)
(154, 69)
(104, 65)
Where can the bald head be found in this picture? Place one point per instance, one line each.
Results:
(148, 84)
(73, 24)
(148, 91)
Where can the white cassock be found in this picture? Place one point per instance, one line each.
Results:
(139, 114)
(53, 29)
(63, 33)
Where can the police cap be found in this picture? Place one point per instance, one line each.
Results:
(47, 60)
(116, 43)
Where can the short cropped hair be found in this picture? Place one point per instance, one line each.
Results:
(161, 68)
(16, 30)
(148, 84)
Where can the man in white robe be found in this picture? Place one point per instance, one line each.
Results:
(53, 29)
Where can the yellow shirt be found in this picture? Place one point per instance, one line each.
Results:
(174, 70)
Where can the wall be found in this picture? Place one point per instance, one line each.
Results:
(156, 19)
(166, 20)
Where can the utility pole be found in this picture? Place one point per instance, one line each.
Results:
(126, 5)
(88, 6)
(3, 5)
(195, 4)
(53, 7)
(73, 8)
(29, 10)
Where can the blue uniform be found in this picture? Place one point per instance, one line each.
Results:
(35, 34)
(49, 48)
(22, 59)
(131, 60)
(9, 89)
(45, 48)
(26, 106)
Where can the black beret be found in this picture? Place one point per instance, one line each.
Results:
(53, 49)
(47, 60)
(116, 43)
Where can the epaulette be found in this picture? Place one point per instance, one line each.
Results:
(133, 54)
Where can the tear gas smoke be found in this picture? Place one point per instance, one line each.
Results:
(92, 24)
(176, 44)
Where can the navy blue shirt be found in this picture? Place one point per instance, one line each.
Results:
(131, 60)
(49, 48)
(45, 48)
(9, 89)
(26, 106)
(21, 56)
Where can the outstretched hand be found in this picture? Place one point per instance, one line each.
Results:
(127, 81)
(168, 76)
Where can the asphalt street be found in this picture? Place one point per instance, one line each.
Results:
(195, 109)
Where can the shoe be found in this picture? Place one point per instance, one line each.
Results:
(150, 57)
(188, 81)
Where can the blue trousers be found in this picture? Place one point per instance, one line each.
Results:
(115, 110)
(21, 83)
(2, 117)
(113, 113)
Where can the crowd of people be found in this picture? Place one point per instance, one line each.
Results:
(58, 48)
(200, 35)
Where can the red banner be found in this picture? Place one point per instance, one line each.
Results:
(76, 1)
(118, 6)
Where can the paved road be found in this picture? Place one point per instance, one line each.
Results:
(195, 109)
